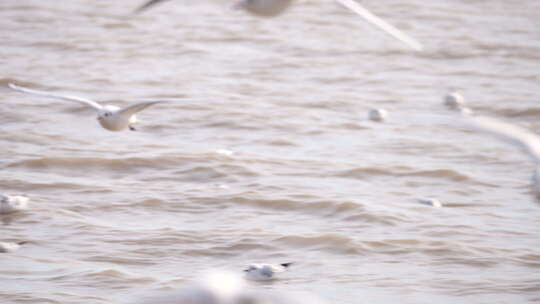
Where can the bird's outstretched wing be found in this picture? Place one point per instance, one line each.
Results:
(82, 100)
(380, 23)
(277, 268)
(130, 110)
(147, 5)
(525, 139)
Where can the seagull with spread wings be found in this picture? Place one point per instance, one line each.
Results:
(528, 141)
(110, 117)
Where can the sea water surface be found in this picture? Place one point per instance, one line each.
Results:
(310, 180)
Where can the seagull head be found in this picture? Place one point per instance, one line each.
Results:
(104, 115)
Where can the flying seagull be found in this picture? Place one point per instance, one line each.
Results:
(110, 117)
(526, 140)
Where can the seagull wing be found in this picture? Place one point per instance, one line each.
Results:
(277, 268)
(82, 100)
(130, 110)
(380, 23)
(525, 139)
(147, 5)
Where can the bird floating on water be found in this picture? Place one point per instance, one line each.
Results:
(272, 8)
(110, 117)
(13, 203)
(264, 272)
(378, 115)
(455, 102)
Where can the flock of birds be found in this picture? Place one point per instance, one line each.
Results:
(114, 118)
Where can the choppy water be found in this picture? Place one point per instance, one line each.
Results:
(310, 180)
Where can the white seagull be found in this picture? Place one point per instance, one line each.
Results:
(264, 272)
(13, 203)
(272, 8)
(10, 246)
(526, 140)
(454, 100)
(378, 115)
(110, 117)
(433, 202)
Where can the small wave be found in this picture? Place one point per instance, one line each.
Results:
(29, 298)
(455, 52)
(440, 173)
(60, 46)
(332, 243)
(281, 143)
(349, 211)
(5, 81)
(118, 274)
(203, 173)
(512, 112)
(351, 126)
(85, 164)
(528, 260)
(326, 207)
(438, 252)
(104, 276)
(232, 250)
(491, 286)
(362, 173)
(129, 165)
(117, 25)
(523, 52)
(122, 260)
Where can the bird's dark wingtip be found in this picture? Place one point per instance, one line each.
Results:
(286, 265)
(146, 6)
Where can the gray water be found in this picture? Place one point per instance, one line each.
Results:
(310, 180)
